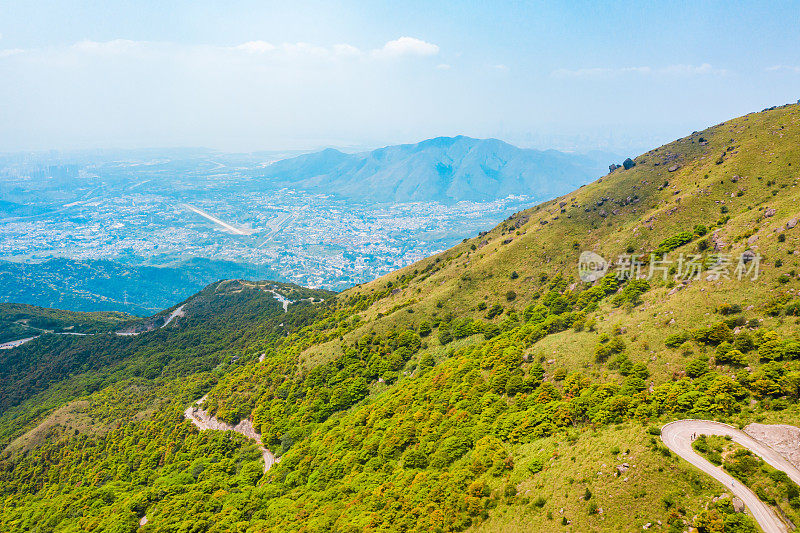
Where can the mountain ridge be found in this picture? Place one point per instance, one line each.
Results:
(447, 169)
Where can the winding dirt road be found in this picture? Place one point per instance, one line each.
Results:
(677, 436)
(200, 418)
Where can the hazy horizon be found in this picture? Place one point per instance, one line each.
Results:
(251, 76)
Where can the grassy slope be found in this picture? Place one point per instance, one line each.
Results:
(764, 147)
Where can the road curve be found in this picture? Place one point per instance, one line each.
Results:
(677, 436)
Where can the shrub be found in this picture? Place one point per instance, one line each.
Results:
(697, 368)
(490, 331)
(670, 243)
(729, 309)
(687, 349)
(791, 350)
(732, 357)
(494, 311)
(770, 350)
(424, 329)
(701, 444)
(511, 296)
(676, 339)
(719, 333)
(426, 362)
(539, 502)
(510, 490)
(607, 348)
(632, 292)
(514, 385)
(536, 465)
(743, 342)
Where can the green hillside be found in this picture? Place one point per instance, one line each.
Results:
(485, 389)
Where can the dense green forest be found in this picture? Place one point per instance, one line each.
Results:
(486, 388)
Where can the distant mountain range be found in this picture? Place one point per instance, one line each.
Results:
(443, 169)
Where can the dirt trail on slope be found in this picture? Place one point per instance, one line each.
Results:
(205, 421)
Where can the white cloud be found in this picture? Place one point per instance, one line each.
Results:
(8, 52)
(406, 46)
(783, 68)
(116, 46)
(443, 66)
(345, 49)
(703, 69)
(669, 70)
(500, 67)
(255, 47)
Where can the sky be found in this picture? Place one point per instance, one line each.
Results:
(261, 75)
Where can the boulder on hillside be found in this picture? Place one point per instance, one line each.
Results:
(612, 167)
(628, 164)
(770, 212)
(673, 168)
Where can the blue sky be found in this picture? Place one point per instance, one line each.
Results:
(234, 75)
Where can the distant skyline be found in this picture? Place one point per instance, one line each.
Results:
(246, 76)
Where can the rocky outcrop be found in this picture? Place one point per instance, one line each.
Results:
(782, 438)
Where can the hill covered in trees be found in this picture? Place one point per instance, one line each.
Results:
(487, 388)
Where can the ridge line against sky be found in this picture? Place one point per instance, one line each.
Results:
(260, 76)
